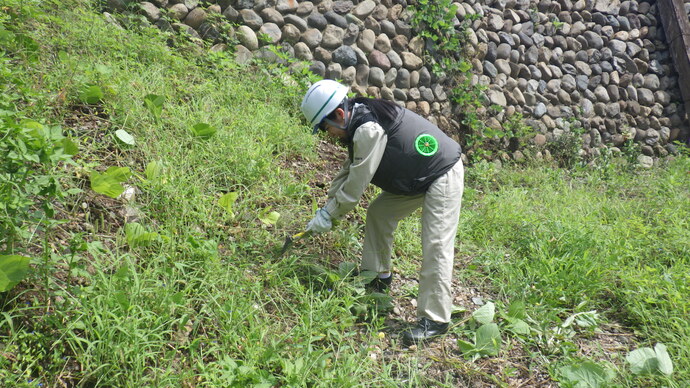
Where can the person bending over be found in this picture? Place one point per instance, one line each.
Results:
(416, 165)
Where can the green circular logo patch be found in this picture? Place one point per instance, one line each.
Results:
(426, 144)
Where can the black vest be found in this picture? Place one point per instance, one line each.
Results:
(405, 168)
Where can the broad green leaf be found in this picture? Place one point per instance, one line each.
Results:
(346, 268)
(103, 69)
(77, 325)
(569, 321)
(382, 302)
(122, 272)
(665, 363)
(332, 277)
(91, 94)
(587, 319)
(299, 364)
(488, 339)
(154, 170)
(36, 128)
(485, 314)
(13, 268)
(642, 361)
(103, 184)
(122, 299)
(517, 309)
(465, 66)
(70, 147)
(137, 235)
(203, 130)
(271, 218)
(518, 326)
(55, 133)
(227, 200)
(466, 347)
(109, 183)
(584, 319)
(288, 367)
(124, 137)
(121, 174)
(587, 375)
(178, 298)
(154, 104)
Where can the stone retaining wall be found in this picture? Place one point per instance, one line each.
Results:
(599, 64)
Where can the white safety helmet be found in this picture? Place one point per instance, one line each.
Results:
(321, 99)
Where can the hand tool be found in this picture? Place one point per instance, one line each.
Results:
(289, 240)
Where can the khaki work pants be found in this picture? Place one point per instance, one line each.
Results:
(440, 212)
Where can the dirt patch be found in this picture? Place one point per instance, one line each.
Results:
(331, 158)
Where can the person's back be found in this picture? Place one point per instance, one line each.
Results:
(417, 152)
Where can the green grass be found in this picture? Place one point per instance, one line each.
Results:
(617, 243)
(204, 302)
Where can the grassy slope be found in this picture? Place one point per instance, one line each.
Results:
(206, 298)
(207, 304)
(613, 241)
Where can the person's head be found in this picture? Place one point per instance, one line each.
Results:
(325, 106)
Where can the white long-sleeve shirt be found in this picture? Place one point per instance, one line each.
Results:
(369, 143)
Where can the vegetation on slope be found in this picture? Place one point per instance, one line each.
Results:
(149, 183)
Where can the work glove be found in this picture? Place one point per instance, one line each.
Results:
(321, 222)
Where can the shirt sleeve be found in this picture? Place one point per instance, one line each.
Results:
(339, 179)
(369, 143)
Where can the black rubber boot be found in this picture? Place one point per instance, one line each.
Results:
(380, 285)
(425, 330)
